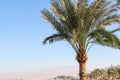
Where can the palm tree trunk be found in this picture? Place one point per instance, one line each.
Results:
(82, 71)
(82, 66)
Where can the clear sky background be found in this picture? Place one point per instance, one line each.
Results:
(22, 31)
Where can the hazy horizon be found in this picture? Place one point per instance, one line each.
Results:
(45, 74)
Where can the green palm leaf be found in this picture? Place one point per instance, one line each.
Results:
(78, 21)
(54, 38)
(105, 38)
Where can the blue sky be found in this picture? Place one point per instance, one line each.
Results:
(22, 31)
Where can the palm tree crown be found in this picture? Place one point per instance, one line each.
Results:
(81, 24)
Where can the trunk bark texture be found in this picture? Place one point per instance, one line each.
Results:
(82, 59)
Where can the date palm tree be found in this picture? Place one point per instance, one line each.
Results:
(83, 24)
(119, 72)
(103, 74)
(98, 73)
(111, 72)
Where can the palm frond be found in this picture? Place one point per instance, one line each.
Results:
(112, 8)
(54, 21)
(70, 12)
(53, 38)
(96, 14)
(66, 17)
(110, 20)
(115, 30)
(105, 38)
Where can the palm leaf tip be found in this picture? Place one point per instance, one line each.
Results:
(44, 42)
(47, 40)
(53, 38)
